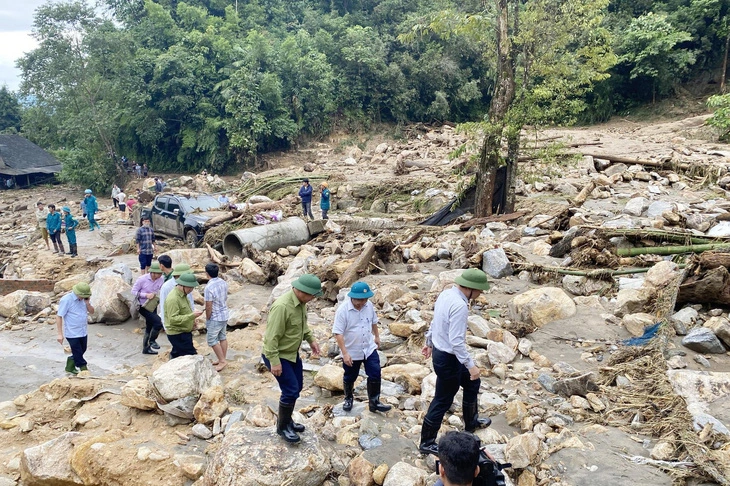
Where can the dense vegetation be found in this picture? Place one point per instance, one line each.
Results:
(186, 85)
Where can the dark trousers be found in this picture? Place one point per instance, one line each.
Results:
(372, 368)
(56, 237)
(116, 203)
(78, 348)
(307, 209)
(182, 344)
(450, 375)
(290, 381)
(152, 321)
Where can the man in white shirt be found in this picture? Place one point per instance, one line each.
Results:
(216, 314)
(122, 201)
(356, 333)
(454, 367)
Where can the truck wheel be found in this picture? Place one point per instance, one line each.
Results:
(191, 238)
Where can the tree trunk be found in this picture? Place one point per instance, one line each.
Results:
(487, 171)
(724, 64)
(513, 151)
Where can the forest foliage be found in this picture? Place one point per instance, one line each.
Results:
(193, 84)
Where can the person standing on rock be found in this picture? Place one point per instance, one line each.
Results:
(115, 193)
(71, 225)
(72, 323)
(216, 314)
(305, 192)
(169, 286)
(145, 239)
(324, 199)
(122, 201)
(53, 225)
(41, 215)
(91, 208)
(356, 333)
(145, 288)
(454, 367)
(286, 328)
(180, 316)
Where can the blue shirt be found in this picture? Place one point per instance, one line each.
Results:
(74, 314)
(324, 201)
(305, 192)
(145, 237)
(447, 332)
(70, 222)
(356, 328)
(91, 205)
(53, 222)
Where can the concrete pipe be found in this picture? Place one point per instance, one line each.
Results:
(291, 231)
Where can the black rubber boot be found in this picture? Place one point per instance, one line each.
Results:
(374, 397)
(347, 406)
(297, 427)
(71, 366)
(60, 248)
(284, 423)
(75, 250)
(146, 349)
(153, 339)
(471, 417)
(428, 443)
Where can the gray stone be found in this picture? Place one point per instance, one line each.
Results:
(703, 340)
(443, 254)
(702, 360)
(720, 230)
(657, 208)
(687, 317)
(202, 432)
(547, 382)
(615, 169)
(478, 326)
(721, 327)
(368, 442)
(540, 306)
(496, 264)
(50, 463)
(403, 474)
(636, 206)
(579, 385)
(698, 222)
(234, 418)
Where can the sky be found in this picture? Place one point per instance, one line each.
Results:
(16, 20)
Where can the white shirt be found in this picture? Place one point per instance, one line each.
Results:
(356, 328)
(164, 292)
(216, 291)
(74, 313)
(122, 198)
(447, 332)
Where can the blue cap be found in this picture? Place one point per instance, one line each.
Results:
(88, 191)
(66, 209)
(360, 290)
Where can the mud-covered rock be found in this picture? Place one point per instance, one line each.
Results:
(211, 405)
(540, 306)
(139, 393)
(50, 463)
(185, 376)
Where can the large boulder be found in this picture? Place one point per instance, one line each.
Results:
(408, 375)
(523, 450)
(197, 258)
(107, 283)
(185, 376)
(297, 267)
(330, 377)
(540, 306)
(249, 456)
(445, 279)
(636, 323)
(496, 264)
(252, 272)
(721, 327)
(703, 340)
(661, 274)
(139, 393)
(403, 474)
(65, 285)
(242, 316)
(49, 464)
(631, 301)
(23, 302)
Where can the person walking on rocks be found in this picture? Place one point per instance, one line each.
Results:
(53, 225)
(145, 239)
(122, 201)
(305, 192)
(454, 367)
(180, 316)
(41, 215)
(216, 314)
(71, 323)
(71, 225)
(115, 193)
(91, 208)
(324, 199)
(286, 328)
(146, 290)
(356, 333)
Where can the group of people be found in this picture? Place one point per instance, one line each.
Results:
(305, 193)
(123, 202)
(355, 330)
(52, 223)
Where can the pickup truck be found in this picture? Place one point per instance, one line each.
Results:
(184, 217)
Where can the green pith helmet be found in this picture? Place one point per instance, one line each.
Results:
(155, 268)
(179, 269)
(309, 284)
(473, 278)
(82, 290)
(187, 280)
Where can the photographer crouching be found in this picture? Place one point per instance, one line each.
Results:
(462, 462)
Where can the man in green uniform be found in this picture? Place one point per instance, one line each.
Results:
(286, 328)
(180, 317)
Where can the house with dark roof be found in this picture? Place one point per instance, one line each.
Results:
(25, 162)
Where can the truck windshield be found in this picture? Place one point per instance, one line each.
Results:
(200, 203)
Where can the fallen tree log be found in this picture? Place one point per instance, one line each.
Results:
(664, 163)
(708, 288)
(495, 218)
(355, 270)
(714, 259)
(584, 193)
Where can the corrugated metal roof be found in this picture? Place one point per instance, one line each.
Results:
(19, 156)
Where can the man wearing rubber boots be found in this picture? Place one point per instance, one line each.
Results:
(454, 367)
(72, 324)
(356, 333)
(286, 328)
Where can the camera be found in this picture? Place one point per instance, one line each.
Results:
(490, 471)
